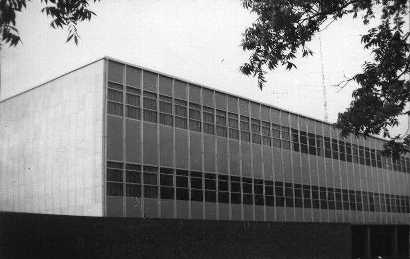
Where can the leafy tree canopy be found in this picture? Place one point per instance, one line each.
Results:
(284, 27)
(64, 14)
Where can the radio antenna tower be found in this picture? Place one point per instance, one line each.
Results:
(323, 79)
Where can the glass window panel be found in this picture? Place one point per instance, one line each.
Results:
(133, 190)
(182, 194)
(114, 95)
(114, 189)
(133, 112)
(114, 108)
(150, 191)
(114, 175)
(166, 193)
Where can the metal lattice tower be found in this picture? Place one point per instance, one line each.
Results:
(323, 80)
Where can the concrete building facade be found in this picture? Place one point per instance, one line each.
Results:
(117, 140)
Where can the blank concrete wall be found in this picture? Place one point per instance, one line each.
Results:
(51, 146)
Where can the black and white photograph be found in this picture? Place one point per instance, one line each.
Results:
(249, 129)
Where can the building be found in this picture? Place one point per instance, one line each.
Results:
(112, 139)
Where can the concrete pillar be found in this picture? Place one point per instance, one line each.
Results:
(368, 245)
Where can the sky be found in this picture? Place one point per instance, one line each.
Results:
(198, 40)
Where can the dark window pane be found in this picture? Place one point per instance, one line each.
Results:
(280, 201)
(223, 197)
(150, 116)
(150, 179)
(150, 104)
(150, 191)
(133, 177)
(196, 183)
(270, 201)
(194, 125)
(210, 196)
(166, 180)
(114, 95)
(166, 119)
(182, 181)
(133, 112)
(259, 200)
(114, 108)
(247, 199)
(196, 195)
(210, 184)
(133, 190)
(181, 122)
(133, 100)
(167, 192)
(114, 86)
(182, 194)
(235, 198)
(114, 175)
(114, 189)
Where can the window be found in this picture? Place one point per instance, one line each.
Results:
(352, 200)
(235, 190)
(233, 125)
(355, 154)
(307, 197)
(315, 197)
(114, 179)
(338, 199)
(210, 187)
(180, 110)
(373, 157)
(289, 201)
(266, 133)
(165, 109)
(298, 196)
(244, 123)
(348, 152)
(114, 189)
(256, 131)
(331, 198)
(209, 120)
(114, 172)
(323, 197)
(312, 144)
(115, 99)
(295, 139)
(319, 145)
(342, 151)
(221, 123)
(150, 106)
(361, 155)
(194, 117)
(223, 188)
(133, 109)
(258, 191)
(269, 193)
(150, 174)
(181, 182)
(276, 139)
(367, 155)
(328, 149)
(196, 186)
(285, 137)
(335, 149)
(133, 173)
(303, 142)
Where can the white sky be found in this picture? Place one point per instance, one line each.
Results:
(197, 40)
